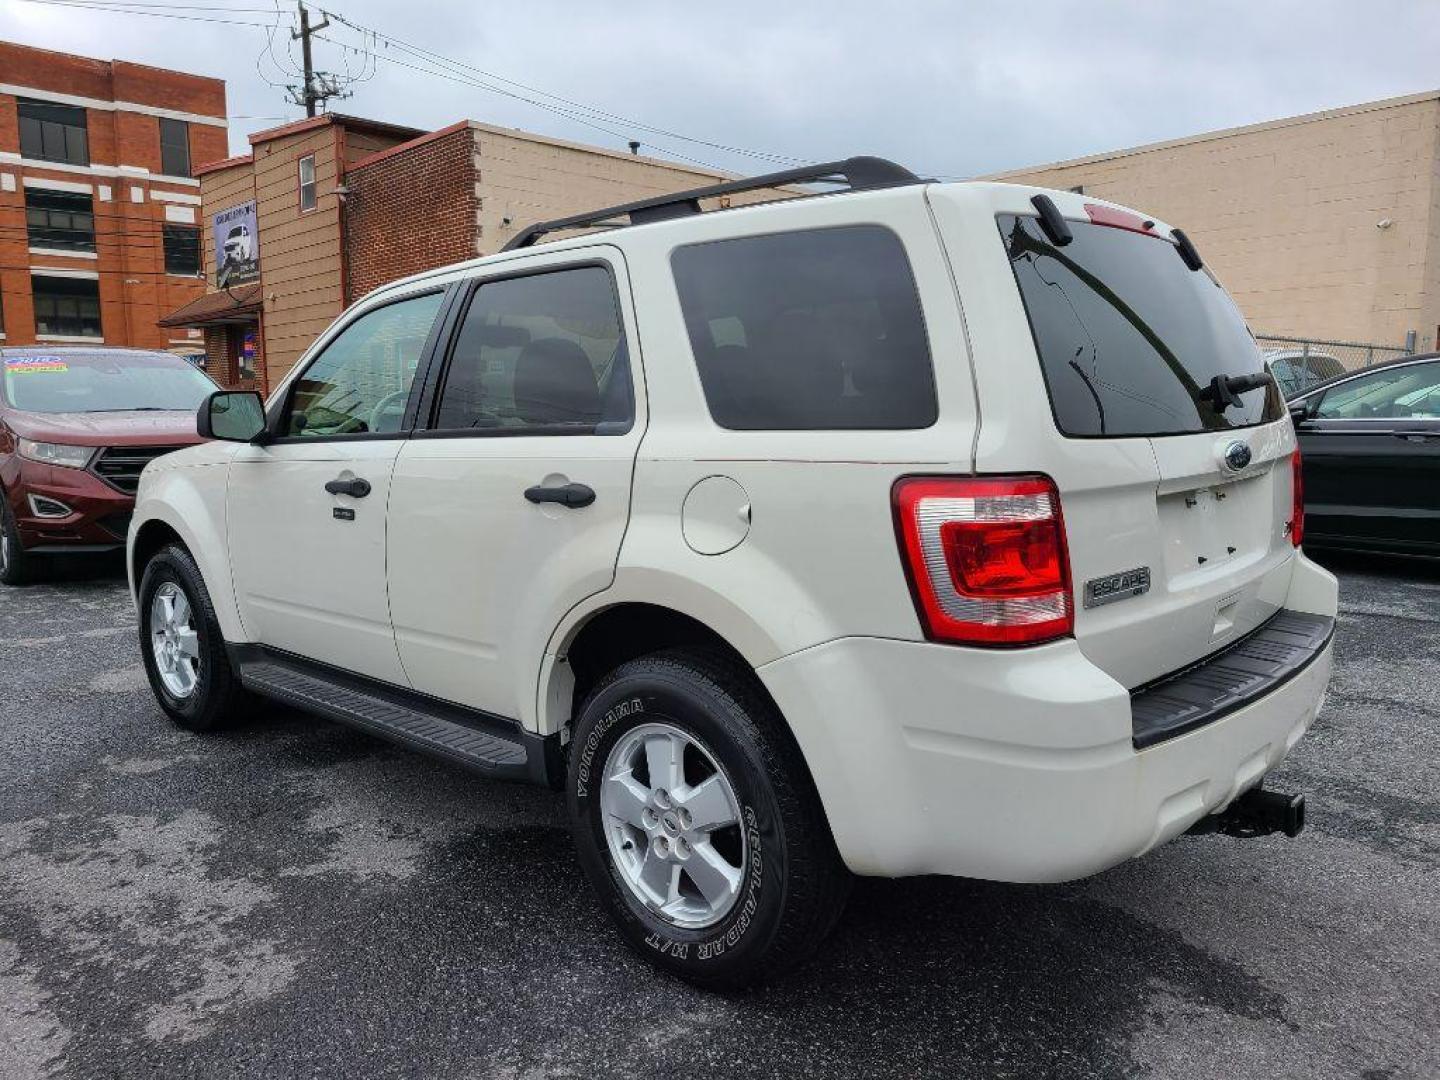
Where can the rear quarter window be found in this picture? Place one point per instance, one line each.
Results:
(808, 330)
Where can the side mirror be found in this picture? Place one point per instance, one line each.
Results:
(232, 415)
(1300, 412)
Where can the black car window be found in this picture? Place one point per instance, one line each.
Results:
(1129, 337)
(1409, 392)
(813, 330)
(542, 354)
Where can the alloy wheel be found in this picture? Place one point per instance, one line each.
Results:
(672, 825)
(174, 641)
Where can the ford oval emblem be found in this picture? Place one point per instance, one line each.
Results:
(1237, 456)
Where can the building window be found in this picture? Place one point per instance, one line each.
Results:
(65, 306)
(174, 147)
(307, 183)
(50, 132)
(182, 250)
(62, 220)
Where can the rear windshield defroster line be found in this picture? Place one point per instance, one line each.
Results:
(1128, 336)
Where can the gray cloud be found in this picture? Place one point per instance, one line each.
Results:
(957, 88)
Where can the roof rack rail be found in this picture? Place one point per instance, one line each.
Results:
(858, 173)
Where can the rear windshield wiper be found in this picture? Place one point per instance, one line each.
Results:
(1225, 390)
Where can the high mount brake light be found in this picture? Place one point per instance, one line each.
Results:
(986, 558)
(1297, 499)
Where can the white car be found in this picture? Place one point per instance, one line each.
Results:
(906, 529)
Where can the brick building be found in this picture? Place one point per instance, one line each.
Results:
(99, 231)
(1325, 225)
(344, 205)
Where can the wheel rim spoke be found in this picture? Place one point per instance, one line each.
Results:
(663, 755)
(625, 798)
(660, 876)
(189, 643)
(710, 805)
(716, 879)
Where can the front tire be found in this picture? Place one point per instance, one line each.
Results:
(697, 823)
(183, 648)
(16, 567)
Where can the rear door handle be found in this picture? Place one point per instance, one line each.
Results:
(572, 496)
(356, 488)
(1416, 436)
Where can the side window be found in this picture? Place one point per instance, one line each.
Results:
(543, 353)
(820, 329)
(1406, 393)
(307, 183)
(360, 383)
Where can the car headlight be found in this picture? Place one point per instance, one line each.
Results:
(49, 453)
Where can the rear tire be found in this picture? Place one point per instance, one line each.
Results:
(183, 648)
(766, 890)
(16, 567)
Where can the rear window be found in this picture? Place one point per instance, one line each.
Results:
(818, 329)
(1129, 336)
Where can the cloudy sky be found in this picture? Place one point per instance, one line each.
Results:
(950, 89)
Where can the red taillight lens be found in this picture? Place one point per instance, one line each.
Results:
(1297, 499)
(986, 558)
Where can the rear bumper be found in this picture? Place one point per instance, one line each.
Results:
(1019, 765)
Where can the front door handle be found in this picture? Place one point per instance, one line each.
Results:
(1416, 436)
(356, 488)
(572, 496)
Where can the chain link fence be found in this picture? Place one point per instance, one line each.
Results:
(1301, 362)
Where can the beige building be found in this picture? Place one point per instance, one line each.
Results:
(1324, 226)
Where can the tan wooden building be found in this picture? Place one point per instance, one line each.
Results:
(1323, 226)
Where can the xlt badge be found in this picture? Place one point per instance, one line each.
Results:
(1121, 586)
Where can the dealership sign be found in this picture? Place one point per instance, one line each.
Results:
(237, 245)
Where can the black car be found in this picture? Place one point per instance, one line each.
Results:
(1370, 442)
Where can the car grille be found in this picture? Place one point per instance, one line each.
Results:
(119, 466)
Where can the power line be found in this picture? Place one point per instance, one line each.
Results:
(430, 63)
(434, 57)
(90, 5)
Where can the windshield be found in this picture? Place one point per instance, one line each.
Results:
(81, 384)
(1129, 336)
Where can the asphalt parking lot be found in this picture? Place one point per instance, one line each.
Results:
(293, 899)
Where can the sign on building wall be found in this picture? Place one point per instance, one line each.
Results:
(246, 359)
(237, 245)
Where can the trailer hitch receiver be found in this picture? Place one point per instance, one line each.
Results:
(1256, 813)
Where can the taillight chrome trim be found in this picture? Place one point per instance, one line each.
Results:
(924, 504)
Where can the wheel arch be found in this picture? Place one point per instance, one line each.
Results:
(178, 513)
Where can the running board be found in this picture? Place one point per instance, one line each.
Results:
(490, 745)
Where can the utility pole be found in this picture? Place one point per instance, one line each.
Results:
(311, 94)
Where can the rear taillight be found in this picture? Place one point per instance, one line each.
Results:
(1297, 499)
(986, 558)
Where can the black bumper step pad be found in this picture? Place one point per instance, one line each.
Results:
(1275, 652)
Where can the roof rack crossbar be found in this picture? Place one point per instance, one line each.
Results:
(857, 173)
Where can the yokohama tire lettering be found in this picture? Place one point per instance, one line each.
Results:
(587, 755)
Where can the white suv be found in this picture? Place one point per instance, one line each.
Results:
(906, 529)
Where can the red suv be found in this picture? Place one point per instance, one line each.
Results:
(76, 427)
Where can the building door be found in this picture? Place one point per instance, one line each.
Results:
(306, 512)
